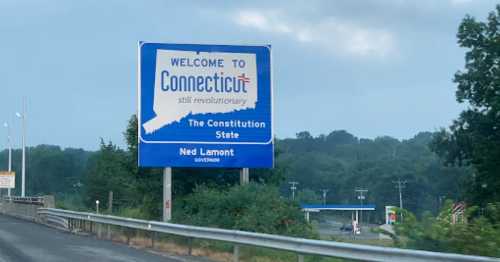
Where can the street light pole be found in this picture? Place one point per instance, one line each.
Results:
(9, 144)
(23, 170)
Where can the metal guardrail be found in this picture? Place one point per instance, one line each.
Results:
(25, 200)
(299, 245)
(57, 221)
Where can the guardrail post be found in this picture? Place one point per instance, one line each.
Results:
(190, 246)
(127, 234)
(236, 253)
(153, 237)
(300, 258)
(108, 232)
(98, 228)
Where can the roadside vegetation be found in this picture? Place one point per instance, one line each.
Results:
(478, 235)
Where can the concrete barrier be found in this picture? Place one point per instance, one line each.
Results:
(26, 207)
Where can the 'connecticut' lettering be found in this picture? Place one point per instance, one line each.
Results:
(216, 83)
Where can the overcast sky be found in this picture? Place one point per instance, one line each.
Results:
(372, 68)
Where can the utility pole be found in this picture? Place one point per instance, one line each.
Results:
(400, 185)
(325, 191)
(361, 196)
(293, 187)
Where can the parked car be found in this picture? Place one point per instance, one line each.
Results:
(346, 227)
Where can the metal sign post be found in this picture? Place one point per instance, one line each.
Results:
(244, 176)
(167, 194)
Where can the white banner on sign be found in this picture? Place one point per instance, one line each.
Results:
(189, 82)
(7, 179)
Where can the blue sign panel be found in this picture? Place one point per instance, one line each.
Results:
(205, 106)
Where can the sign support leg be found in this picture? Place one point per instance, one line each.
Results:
(244, 176)
(167, 194)
(110, 202)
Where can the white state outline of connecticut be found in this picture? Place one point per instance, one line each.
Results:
(166, 104)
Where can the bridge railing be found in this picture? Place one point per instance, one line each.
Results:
(25, 200)
(298, 245)
(25, 207)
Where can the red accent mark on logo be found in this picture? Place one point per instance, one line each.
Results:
(244, 78)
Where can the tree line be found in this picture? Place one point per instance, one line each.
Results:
(339, 162)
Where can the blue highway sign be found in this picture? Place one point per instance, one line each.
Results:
(205, 106)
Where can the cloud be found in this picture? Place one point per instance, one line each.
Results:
(331, 33)
(261, 21)
(459, 2)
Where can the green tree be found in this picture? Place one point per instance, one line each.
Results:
(474, 138)
(106, 171)
(479, 236)
(254, 207)
(308, 196)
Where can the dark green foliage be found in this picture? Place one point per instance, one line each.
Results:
(49, 169)
(141, 188)
(474, 138)
(254, 207)
(106, 172)
(309, 196)
(340, 162)
(480, 236)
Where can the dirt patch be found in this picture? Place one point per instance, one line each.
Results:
(169, 247)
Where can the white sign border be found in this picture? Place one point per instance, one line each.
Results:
(270, 141)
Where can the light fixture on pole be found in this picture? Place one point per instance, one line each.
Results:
(9, 144)
(22, 116)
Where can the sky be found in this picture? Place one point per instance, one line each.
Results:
(373, 68)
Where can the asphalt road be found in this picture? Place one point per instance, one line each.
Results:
(25, 241)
